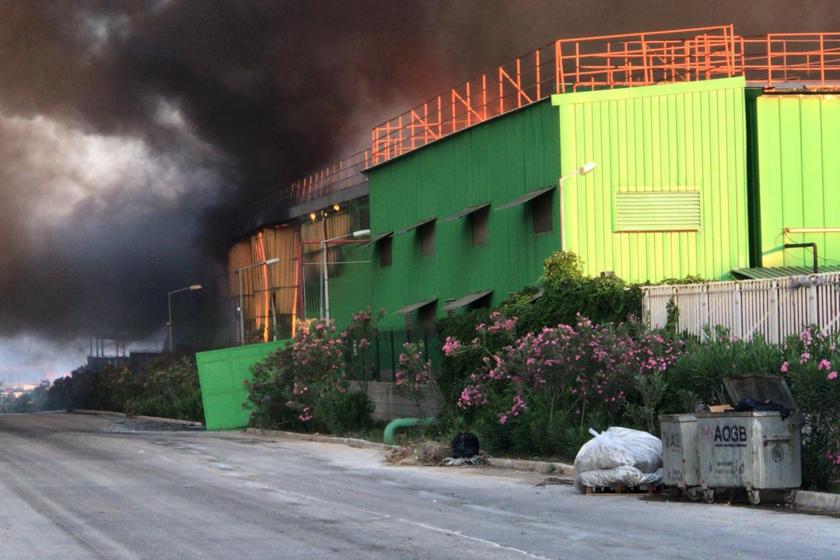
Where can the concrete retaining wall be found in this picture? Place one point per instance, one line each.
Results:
(390, 406)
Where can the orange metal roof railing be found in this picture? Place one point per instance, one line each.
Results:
(337, 176)
(566, 65)
(808, 59)
(589, 63)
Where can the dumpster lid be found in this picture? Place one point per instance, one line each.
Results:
(678, 418)
(760, 388)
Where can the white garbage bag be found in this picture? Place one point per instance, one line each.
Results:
(619, 456)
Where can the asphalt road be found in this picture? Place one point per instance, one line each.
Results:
(69, 490)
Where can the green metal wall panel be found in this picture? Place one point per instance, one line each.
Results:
(798, 176)
(351, 288)
(667, 138)
(222, 375)
(494, 162)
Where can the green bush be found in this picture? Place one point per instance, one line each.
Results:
(567, 293)
(305, 386)
(269, 392)
(167, 388)
(344, 413)
(811, 364)
(704, 364)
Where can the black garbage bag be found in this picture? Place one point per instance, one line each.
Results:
(748, 405)
(465, 444)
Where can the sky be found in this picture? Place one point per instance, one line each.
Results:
(132, 132)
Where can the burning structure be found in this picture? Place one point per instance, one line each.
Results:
(711, 152)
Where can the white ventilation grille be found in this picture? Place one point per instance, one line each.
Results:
(657, 211)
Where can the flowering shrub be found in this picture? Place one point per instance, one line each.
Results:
(414, 373)
(305, 383)
(581, 372)
(357, 337)
(811, 362)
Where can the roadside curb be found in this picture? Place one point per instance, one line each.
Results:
(319, 438)
(817, 502)
(542, 467)
(146, 418)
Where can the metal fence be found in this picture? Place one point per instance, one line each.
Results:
(774, 308)
(381, 360)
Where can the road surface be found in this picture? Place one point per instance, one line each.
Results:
(69, 490)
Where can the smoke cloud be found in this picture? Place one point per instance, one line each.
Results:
(132, 133)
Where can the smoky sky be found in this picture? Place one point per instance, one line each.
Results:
(132, 133)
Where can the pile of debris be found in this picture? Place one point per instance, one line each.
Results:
(463, 451)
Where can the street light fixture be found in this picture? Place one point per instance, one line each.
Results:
(241, 303)
(169, 301)
(325, 280)
(584, 169)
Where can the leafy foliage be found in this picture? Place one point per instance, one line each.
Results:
(305, 385)
(167, 388)
(568, 293)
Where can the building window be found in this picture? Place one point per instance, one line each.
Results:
(542, 212)
(422, 318)
(384, 248)
(426, 316)
(478, 225)
(427, 238)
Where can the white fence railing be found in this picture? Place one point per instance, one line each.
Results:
(773, 308)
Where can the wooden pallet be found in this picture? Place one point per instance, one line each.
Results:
(621, 489)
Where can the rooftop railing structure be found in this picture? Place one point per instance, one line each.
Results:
(798, 59)
(566, 65)
(777, 60)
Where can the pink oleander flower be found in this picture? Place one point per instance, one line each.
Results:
(450, 346)
(804, 357)
(831, 376)
(824, 364)
(305, 415)
(785, 367)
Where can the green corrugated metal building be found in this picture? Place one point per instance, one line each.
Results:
(668, 198)
(796, 186)
(443, 188)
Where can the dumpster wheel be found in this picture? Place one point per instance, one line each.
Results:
(754, 497)
(709, 495)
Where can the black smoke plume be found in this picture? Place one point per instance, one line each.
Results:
(132, 132)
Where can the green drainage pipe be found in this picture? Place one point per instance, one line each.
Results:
(393, 425)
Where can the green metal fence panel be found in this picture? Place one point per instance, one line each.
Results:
(673, 138)
(494, 162)
(798, 189)
(222, 375)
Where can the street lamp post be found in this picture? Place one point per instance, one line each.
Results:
(584, 169)
(241, 302)
(325, 279)
(169, 301)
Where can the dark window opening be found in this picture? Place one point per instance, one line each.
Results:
(426, 316)
(478, 224)
(427, 239)
(384, 247)
(542, 213)
(480, 303)
(421, 319)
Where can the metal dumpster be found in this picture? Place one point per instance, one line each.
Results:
(754, 450)
(680, 464)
